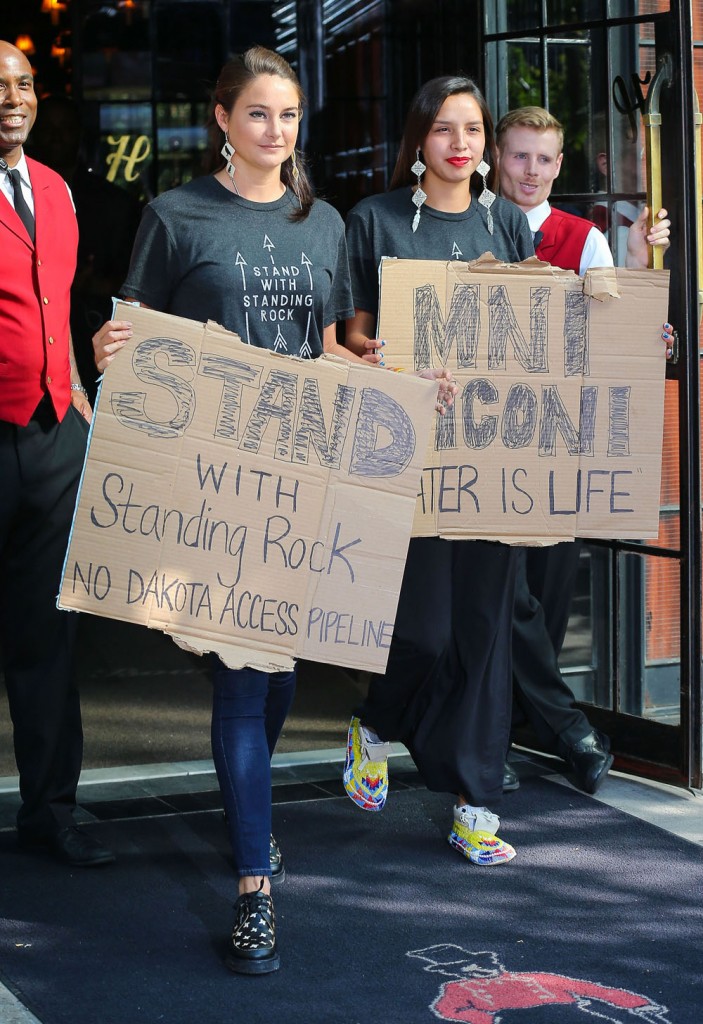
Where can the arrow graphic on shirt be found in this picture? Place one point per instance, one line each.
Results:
(241, 262)
(305, 350)
(268, 244)
(307, 263)
(279, 342)
(456, 251)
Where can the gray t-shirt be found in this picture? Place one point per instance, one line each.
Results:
(204, 253)
(382, 226)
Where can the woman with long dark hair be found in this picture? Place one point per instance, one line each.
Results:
(447, 689)
(218, 248)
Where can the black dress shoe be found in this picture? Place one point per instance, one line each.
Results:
(590, 760)
(511, 779)
(278, 871)
(70, 845)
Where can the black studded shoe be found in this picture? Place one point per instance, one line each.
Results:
(278, 871)
(252, 948)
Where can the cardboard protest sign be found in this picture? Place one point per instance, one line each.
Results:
(245, 502)
(556, 431)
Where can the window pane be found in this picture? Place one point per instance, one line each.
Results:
(623, 8)
(585, 658)
(512, 15)
(621, 143)
(569, 74)
(649, 655)
(574, 70)
(182, 141)
(524, 74)
(569, 12)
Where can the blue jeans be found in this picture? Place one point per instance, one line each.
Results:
(248, 712)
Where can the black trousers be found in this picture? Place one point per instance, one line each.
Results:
(544, 589)
(446, 692)
(40, 467)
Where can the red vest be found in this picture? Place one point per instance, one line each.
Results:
(563, 238)
(35, 285)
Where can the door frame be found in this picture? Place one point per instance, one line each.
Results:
(671, 753)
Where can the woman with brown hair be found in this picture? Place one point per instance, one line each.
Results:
(251, 248)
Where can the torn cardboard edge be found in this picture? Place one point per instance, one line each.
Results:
(556, 338)
(153, 457)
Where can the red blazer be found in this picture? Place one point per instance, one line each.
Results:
(563, 238)
(35, 285)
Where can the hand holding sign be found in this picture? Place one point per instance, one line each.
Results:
(247, 503)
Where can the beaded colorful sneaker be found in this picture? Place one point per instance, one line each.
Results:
(480, 847)
(252, 948)
(477, 819)
(366, 768)
(278, 870)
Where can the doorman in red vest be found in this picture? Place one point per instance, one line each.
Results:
(530, 146)
(44, 417)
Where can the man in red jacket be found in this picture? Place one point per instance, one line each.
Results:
(530, 146)
(44, 416)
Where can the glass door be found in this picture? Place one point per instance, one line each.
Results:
(618, 74)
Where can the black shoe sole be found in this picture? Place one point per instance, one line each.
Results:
(511, 787)
(240, 965)
(279, 877)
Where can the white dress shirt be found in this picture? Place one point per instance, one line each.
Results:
(7, 187)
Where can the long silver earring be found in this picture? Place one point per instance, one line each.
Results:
(295, 174)
(228, 152)
(419, 197)
(487, 198)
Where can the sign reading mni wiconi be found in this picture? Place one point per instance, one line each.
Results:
(246, 502)
(557, 428)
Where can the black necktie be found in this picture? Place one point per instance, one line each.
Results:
(21, 208)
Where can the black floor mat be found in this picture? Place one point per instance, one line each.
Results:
(379, 922)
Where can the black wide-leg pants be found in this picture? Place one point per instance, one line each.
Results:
(40, 467)
(546, 578)
(446, 692)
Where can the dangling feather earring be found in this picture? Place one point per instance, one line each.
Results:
(228, 152)
(487, 198)
(419, 197)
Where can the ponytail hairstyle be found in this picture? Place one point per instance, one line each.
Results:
(424, 107)
(234, 77)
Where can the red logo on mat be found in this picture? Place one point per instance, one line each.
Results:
(483, 992)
